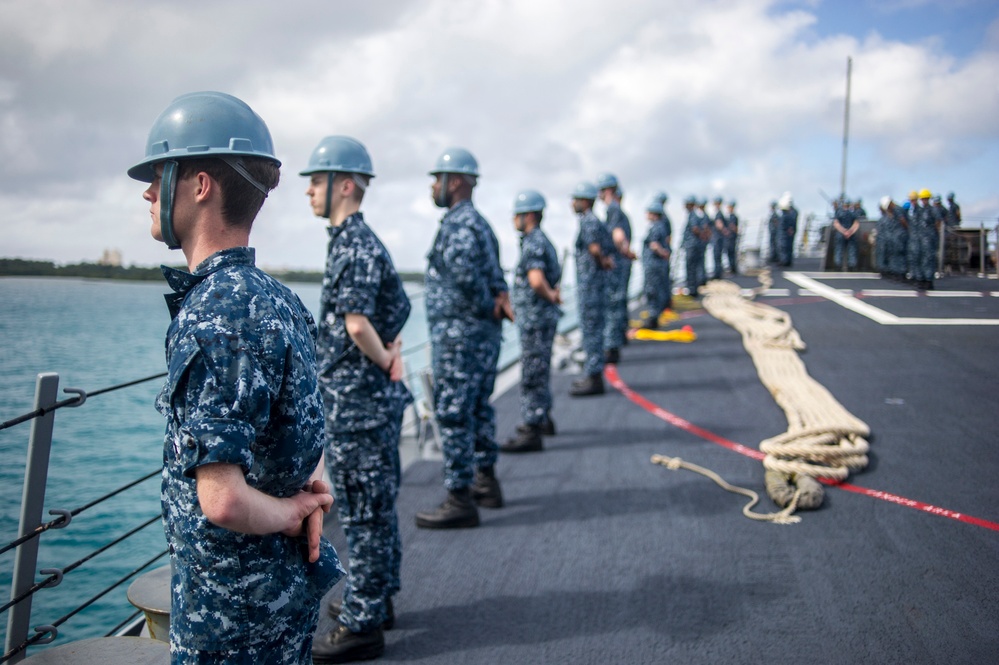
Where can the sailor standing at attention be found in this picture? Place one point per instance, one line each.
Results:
(732, 240)
(616, 323)
(594, 259)
(691, 244)
(719, 238)
(242, 494)
(788, 229)
(466, 301)
(362, 310)
(536, 299)
(773, 227)
(655, 262)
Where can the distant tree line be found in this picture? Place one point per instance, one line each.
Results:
(31, 268)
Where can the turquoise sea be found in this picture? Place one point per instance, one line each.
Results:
(97, 334)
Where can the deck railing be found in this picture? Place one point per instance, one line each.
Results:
(24, 584)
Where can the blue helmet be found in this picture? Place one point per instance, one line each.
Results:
(655, 206)
(456, 160)
(690, 200)
(201, 125)
(661, 196)
(585, 190)
(606, 180)
(732, 203)
(528, 200)
(339, 154)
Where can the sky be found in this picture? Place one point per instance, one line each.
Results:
(738, 98)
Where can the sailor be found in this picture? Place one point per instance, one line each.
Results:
(362, 310)
(536, 298)
(242, 494)
(924, 227)
(656, 248)
(691, 246)
(466, 300)
(704, 235)
(845, 228)
(788, 229)
(616, 324)
(594, 259)
(953, 211)
(773, 228)
(892, 238)
(719, 237)
(732, 240)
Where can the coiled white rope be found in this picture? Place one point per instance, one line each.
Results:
(823, 439)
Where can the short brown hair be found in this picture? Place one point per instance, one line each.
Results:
(241, 201)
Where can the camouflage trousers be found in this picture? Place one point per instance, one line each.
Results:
(535, 372)
(292, 647)
(616, 321)
(850, 245)
(592, 302)
(463, 360)
(657, 289)
(695, 267)
(364, 466)
(923, 254)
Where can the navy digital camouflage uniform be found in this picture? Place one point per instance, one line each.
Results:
(658, 288)
(898, 243)
(364, 410)
(773, 226)
(536, 322)
(923, 239)
(616, 318)
(703, 241)
(692, 251)
(241, 389)
(460, 278)
(846, 219)
(732, 241)
(486, 448)
(788, 228)
(591, 289)
(718, 242)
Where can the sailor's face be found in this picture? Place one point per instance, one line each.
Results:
(317, 193)
(518, 222)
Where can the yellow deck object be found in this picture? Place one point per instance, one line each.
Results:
(685, 334)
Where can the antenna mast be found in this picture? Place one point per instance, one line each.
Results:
(846, 128)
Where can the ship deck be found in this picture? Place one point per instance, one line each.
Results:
(601, 556)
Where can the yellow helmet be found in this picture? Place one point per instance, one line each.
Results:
(913, 194)
(925, 193)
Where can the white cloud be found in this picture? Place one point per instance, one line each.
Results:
(730, 96)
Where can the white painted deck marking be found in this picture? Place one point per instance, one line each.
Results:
(870, 311)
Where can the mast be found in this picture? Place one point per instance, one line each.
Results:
(846, 128)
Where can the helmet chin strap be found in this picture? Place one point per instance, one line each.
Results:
(328, 206)
(442, 199)
(168, 186)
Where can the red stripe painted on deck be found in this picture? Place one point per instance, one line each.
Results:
(610, 371)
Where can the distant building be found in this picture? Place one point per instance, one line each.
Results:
(110, 257)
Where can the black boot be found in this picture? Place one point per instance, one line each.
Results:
(548, 426)
(588, 385)
(612, 355)
(342, 646)
(528, 440)
(458, 511)
(485, 488)
(333, 609)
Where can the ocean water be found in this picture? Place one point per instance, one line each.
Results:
(96, 334)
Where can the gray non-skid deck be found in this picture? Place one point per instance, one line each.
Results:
(602, 557)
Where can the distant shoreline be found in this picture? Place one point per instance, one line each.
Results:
(35, 268)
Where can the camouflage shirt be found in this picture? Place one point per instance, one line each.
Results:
(591, 230)
(360, 279)
(536, 253)
(616, 219)
(463, 272)
(242, 390)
